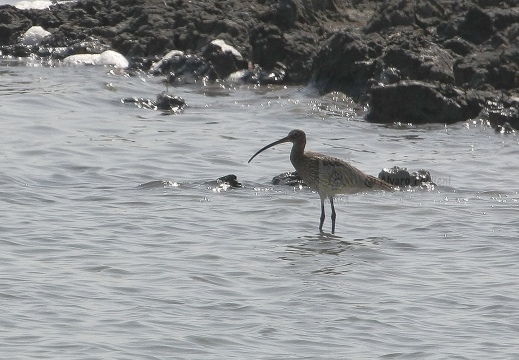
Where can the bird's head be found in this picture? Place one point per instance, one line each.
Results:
(295, 137)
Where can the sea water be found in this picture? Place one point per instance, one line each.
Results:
(116, 242)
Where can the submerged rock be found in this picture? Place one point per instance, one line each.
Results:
(400, 177)
(229, 180)
(170, 102)
(289, 179)
(506, 128)
(165, 102)
(224, 183)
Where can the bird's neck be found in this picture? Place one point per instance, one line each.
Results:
(298, 151)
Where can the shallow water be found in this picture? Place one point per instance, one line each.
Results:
(117, 243)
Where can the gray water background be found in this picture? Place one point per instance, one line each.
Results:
(116, 243)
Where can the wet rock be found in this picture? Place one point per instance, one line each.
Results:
(438, 43)
(163, 65)
(90, 45)
(223, 183)
(420, 102)
(224, 58)
(170, 102)
(142, 30)
(289, 179)
(401, 177)
(181, 68)
(348, 46)
(257, 75)
(228, 180)
(503, 116)
(506, 128)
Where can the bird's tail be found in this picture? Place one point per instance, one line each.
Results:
(377, 184)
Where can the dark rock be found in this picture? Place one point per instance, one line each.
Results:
(350, 62)
(389, 75)
(268, 45)
(348, 46)
(392, 14)
(224, 58)
(401, 177)
(477, 26)
(459, 46)
(12, 24)
(430, 62)
(504, 17)
(346, 62)
(487, 71)
(419, 102)
(283, 13)
(503, 115)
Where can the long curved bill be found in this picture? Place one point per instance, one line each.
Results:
(285, 139)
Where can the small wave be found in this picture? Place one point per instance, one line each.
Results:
(158, 184)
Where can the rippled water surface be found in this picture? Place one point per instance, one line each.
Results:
(117, 243)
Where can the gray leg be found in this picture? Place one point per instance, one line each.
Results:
(322, 215)
(333, 214)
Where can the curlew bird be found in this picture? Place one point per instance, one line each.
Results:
(327, 175)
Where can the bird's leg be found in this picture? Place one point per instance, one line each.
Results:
(322, 215)
(333, 214)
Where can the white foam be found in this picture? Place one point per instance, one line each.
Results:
(37, 4)
(34, 35)
(109, 57)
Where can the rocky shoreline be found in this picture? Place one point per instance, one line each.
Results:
(410, 61)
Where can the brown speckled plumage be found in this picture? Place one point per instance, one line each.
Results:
(327, 175)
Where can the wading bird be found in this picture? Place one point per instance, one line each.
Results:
(327, 175)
